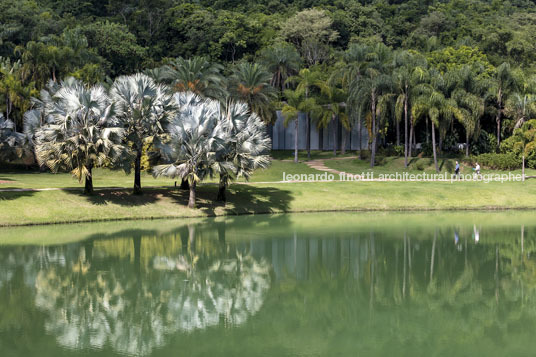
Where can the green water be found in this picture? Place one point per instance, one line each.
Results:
(345, 284)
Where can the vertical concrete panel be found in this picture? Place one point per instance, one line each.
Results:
(315, 138)
(275, 137)
(302, 130)
(355, 138)
(289, 135)
(325, 134)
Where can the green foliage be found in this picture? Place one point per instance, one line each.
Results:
(508, 161)
(250, 83)
(117, 45)
(522, 142)
(379, 58)
(485, 143)
(451, 58)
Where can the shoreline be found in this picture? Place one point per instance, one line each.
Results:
(154, 218)
(70, 206)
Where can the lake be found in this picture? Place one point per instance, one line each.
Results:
(327, 284)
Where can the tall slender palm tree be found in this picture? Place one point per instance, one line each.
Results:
(371, 85)
(82, 133)
(283, 61)
(355, 60)
(304, 81)
(501, 85)
(410, 71)
(250, 83)
(468, 94)
(197, 75)
(143, 109)
(521, 105)
(433, 104)
(196, 135)
(246, 148)
(295, 103)
(333, 100)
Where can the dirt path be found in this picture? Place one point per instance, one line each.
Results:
(320, 165)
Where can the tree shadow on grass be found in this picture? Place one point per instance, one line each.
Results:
(449, 166)
(242, 199)
(13, 195)
(122, 197)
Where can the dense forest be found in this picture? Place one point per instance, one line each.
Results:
(420, 71)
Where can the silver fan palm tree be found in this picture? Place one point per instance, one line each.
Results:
(11, 142)
(246, 148)
(196, 135)
(143, 109)
(82, 133)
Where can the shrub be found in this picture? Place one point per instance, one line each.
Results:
(392, 150)
(399, 150)
(419, 165)
(380, 160)
(427, 149)
(508, 161)
(365, 154)
(485, 143)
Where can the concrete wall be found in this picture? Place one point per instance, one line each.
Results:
(283, 137)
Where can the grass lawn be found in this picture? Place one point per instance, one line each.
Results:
(109, 178)
(416, 165)
(18, 208)
(264, 194)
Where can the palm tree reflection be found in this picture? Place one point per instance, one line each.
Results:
(133, 308)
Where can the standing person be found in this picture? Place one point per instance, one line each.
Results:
(457, 170)
(477, 169)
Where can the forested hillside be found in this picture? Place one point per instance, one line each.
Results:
(478, 55)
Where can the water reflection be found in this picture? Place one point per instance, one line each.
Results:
(282, 293)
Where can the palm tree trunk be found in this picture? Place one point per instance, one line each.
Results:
(498, 118)
(359, 141)
(467, 145)
(427, 135)
(343, 141)
(221, 189)
(373, 149)
(415, 140)
(321, 138)
(406, 132)
(397, 132)
(296, 141)
(308, 135)
(191, 199)
(434, 147)
(334, 122)
(137, 173)
(410, 144)
(88, 187)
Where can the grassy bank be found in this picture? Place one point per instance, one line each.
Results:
(39, 207)
(264, 194)
(109, 178)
